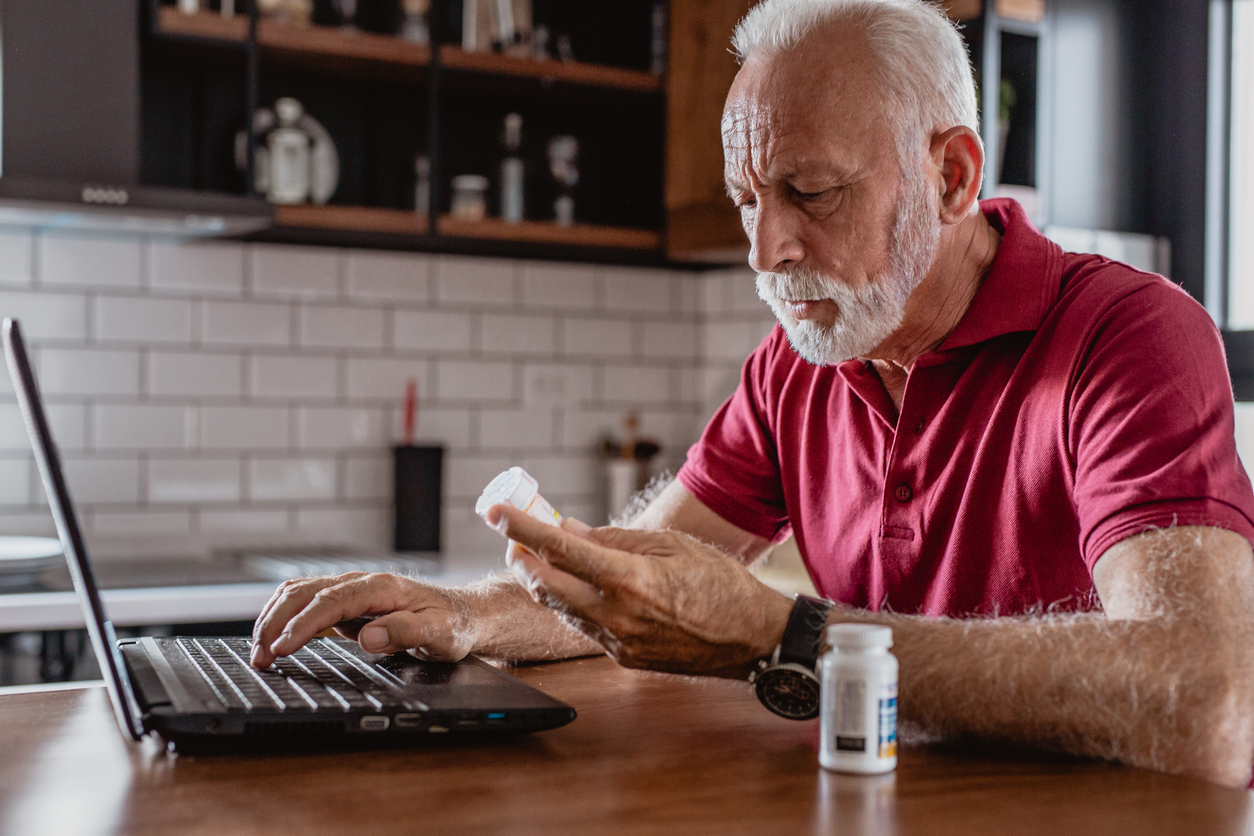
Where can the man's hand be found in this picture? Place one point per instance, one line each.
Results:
(430, 622)
(652, 599)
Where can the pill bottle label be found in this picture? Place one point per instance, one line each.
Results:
(850, 725)
(888, 720)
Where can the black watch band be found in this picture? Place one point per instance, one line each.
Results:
(804, 634)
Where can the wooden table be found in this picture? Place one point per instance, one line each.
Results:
(648, 754)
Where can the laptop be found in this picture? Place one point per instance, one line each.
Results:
(201, 693)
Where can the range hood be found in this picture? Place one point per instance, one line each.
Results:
(70, 129)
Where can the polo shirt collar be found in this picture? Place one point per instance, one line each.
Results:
(1022, 284)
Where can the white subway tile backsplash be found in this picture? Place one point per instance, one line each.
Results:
(639, 289)
(466, 476)
(557, 384)
(17, 258)
(677, 340)
(246, 323)
(556, 286)
(431, 331)
(140, 523)
(743, 292)
(341, 427)
(291, 479)
(340, 327)
(64, 371)
(368, 526)
(197, 375)
(475, 381)
(143, 427)
(34, 523)
(205, 267)
(566, 476)
(244, 523)
(637, 384)
(12, 429)
(305, 272)
(65, 420)
(519, 335)
(438, 425)
(244, 427)
(516, 428)
(142, 319)
(102, 481)
(596, 337)
(194, 480)
(15, 481)
(276, 376)
(290, 376)
(46, 315)
(389, 276)
(385, 377)
(89, 260)
(482, 281)
(368, 477)
(465, 536)
(68, 422)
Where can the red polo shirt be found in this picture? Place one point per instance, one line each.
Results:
(1078, 402)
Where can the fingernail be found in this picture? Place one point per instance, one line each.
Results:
(255, 655)
(578, 526)
(274, 645)
(373, 637)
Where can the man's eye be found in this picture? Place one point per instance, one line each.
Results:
(746, 203)
(812, 195)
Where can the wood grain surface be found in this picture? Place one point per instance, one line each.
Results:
(648, 754)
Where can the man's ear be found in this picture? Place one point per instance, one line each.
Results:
(958, 154)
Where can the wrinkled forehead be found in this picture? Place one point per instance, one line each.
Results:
(823, 97)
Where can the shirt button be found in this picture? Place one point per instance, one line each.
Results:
(903, 493)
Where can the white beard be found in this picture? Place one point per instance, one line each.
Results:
(866, 315)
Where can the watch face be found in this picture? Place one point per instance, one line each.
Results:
(789, 691)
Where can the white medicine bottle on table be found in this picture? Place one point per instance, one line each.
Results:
(859, 700)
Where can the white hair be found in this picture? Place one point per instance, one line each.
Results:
(922, 61)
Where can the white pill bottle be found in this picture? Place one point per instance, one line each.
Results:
(859, 700)
(519, 488)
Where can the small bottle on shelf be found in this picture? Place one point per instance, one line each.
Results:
(422, 184)
(512, 203)
(289, 155)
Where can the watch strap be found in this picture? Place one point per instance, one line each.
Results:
(804, 634)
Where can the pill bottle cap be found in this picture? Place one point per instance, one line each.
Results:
(859, 636)
(514, 487)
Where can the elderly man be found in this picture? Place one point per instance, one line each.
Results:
(1020, 459)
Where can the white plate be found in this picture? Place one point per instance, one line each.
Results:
(29, 555)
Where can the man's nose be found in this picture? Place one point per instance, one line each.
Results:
(773, 240)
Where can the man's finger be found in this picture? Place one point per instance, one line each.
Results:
(365, 595)
(556, 589)
(432, 637)
(633, 540)
(290, 599)
(573, 553)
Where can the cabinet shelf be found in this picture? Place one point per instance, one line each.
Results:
(569, 72)
(403, 222)
(303, 44)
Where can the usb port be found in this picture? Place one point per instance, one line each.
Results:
(375, 722)
(408, 721)
(436, 729)
(500, 715)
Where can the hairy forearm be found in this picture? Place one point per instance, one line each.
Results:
(1161, 693)
(508, 624)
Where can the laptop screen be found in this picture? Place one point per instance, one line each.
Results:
(99, 628)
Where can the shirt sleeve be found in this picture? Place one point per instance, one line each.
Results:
(1150, 424)
(734, 469)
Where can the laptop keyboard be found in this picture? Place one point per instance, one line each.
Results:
(319, 676)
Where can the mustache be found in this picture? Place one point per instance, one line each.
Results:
(797, 284)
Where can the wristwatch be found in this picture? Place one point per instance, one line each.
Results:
(787, 684)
